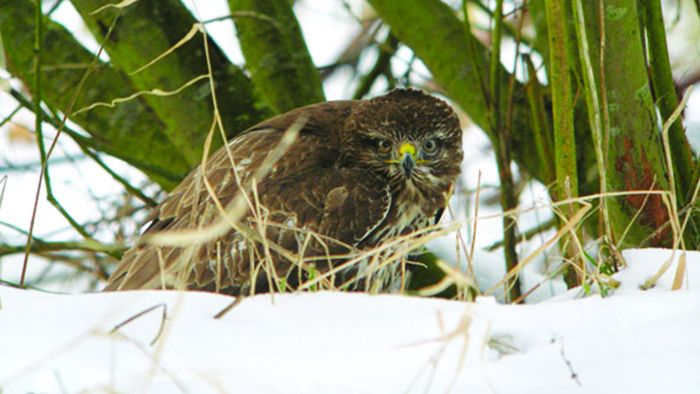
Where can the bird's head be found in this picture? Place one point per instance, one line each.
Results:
(406, 137)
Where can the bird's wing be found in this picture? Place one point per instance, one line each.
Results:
(304, 189)
(321, 218)
(190, 205)
(344, 204)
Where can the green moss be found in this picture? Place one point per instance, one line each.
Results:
(112, 130)
(143, 32)
(276, 54)
(614, 13)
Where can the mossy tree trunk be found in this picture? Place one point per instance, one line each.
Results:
(130, 131)
(634, 149)
(276, 53)
(146, 30)
(633, 160)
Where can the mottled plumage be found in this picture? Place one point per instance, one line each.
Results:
(358, 174)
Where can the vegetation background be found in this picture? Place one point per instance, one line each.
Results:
(579, 96)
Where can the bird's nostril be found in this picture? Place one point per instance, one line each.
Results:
(408, 163)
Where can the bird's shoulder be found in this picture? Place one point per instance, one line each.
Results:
(321, 118)
(316, 147)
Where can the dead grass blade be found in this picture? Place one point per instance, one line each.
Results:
(566, 228)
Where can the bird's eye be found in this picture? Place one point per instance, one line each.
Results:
(430, 146)
(384, 146)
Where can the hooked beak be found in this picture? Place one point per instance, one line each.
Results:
(408, 163)
(407, 159)
(407, 153)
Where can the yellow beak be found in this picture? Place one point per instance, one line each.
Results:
(407, 157)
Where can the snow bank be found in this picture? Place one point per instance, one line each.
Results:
(636, 342)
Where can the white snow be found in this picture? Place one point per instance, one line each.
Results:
(646, 264)
(631, 342)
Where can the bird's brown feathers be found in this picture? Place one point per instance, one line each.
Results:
(328, 196)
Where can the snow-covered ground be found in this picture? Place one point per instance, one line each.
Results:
(633, 341)
(630, 342)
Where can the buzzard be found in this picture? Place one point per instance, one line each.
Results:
(357, 174)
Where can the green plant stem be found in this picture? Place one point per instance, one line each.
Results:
(38, 35)
(46, 154)
(563, 119)
(540, 125)
(560, 82)
(10, 116)
(509, 199)
(506, 27)
(665, 96)
(44, 246)
(56, 122)
(32, 166)
(595, 116)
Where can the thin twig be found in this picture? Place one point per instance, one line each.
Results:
(568, 363)
(164, 316)
(528, 234)
(38, 35)
(39, 246)
(10, 116)
(595, 117)
(229, 307)
(381, 66)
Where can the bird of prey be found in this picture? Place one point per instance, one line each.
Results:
(358, 174)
